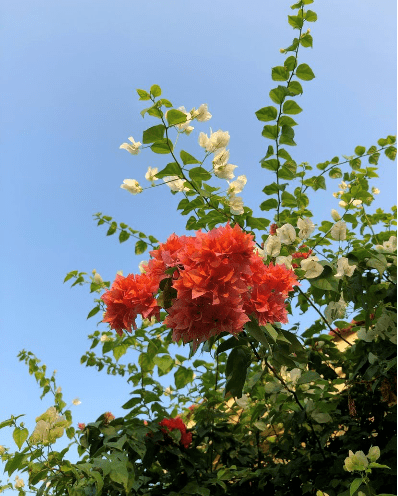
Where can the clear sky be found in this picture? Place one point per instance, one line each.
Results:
(68, 80)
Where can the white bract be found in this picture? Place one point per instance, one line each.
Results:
(390, 245)
(339, 231)
(151, 174)
(76, 402)
(312, 267)
(132, 186)
(273, 246)
(18, 482)
(335, 310)
(375, 191)
(175, 183)
(201, 114)
(236, 205)
(343, 268)
(306, 227)
(217, 140)
(286, 261)
(335, 215)
(356, 462)
(237, 186)
(225, 171)
(287, 234)
(143, 265)
(97, 278)
(134, 148)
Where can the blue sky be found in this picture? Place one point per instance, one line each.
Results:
(70, 70)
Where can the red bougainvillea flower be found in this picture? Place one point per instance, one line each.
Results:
(272, 229)
(177, 423)
(128, 297)
(166, 256)
(81, 426)
(108, 417)
(301, 255)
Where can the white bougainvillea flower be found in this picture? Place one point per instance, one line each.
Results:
(339, 231)
(236, 205)
(287, 234)
(132, 186)
(306, 227)
(335, 215)
(134, 148)
(143, 266)
(343, 268)
(201, 114)
(225, 171)
(273, 246)
(104, 338)
(335, 310)
(312, 267)
(343, 185)
(203, 140)
(237, 186)
(217, 140)
(357, 462)
(97, 278)
(374, 453)
(175, 183)
(76, 402)
(18, 482)
(336, 195)
(356, 203)
(375, 191)
(390, 245)
(151, 174)
(259, 251)
(366, 335)
(221, 158)
(286, 261)
(342, 204)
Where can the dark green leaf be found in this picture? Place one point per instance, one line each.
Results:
(270, 164)
(295, 88)
(295, 21)
(270, 152)
(304, 72)
(285, 120)
(287, 136)
(123, 236)
(172, 169)
(391, 152)
(154, 111)
(267, 114)
(335, 173)
(355, 484)
(94, 311)
(199, 174)
(278, 94)
(288, 200)
(187, 158)
(308, 377)
(155, 90)
(140, 247)
(162, 146)
(257, 223)
(373, 159)
(182, 377)
(112, 229)
(360, 150)
(153, 134)
(237, 364)
(290, 63)
(269, 204)
(175, 116)
(280, 73)
(273, 188)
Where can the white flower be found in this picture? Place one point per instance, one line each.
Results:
(148, 322)
(132, 186)
(335, 215)
(167, 391)
(312, 267)
(286, 261)
(375, 191)
(202, 114)
(97, 278)
(374, 453)
(76, 402)
(366, 335)
(143, 266)
(339, 231)
(151, 174)
(357, 462)
(356, 203)
(119, 273)
(203, 140)
(259, 251)
(273, 246)
(134, 148)
(390, 245)
(344, 269)
(225, 171)
(221, 158)
(306, 227)
(188, 130)
(59, 389)
(175, 183)
(343, 185)
(18, 483)
(217, 140)
(287, 234)
(336, 195)
(237, 186)
(236, 205)
(104, 338)
(295, 375)
(342, 204)
(335, 310)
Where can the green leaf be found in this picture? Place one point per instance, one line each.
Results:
(285, 120)
(165, 102)
(175, 116)
(335, 173)
(355, 484)
(304, 72)
(360, 150)
(140, 247)
(172, 169)
(182, 377)
(321, 417)
(94, 311)
(199, 174)
(267, 114)
(373, 159)
(120, 350)
(237, 364)
(288, 200)
(271, 164)
(257, 332)
(273, 188)
(123, 236)
(270, 132)
(187, 158)
(295, 88)
(19, 435)
(119, 471)
(162, 146)
(391, 152)
(112, 229)
(290, 63)
(296, 21)
(310, 16)
(308, 377)
(278, 94)
(257, 223)
(154, 111)
(291, 107)
(165, 363)
(287, 136)
(280, 73)
(306, 40)
(155, 90)
(144, 95)
(269, 204)
(153, 134)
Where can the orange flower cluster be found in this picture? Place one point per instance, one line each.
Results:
(301, 255)
(177, 423)
(217, 282)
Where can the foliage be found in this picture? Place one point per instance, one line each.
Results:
(269, 410)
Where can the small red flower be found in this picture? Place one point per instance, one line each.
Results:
(108, 417)
(81, 426)
(272, 229)
(177, 423)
